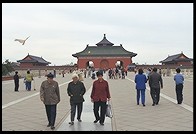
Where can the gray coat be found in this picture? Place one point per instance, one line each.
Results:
(49, 93)
(155, 80)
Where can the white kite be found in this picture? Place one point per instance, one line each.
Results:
(21, 41)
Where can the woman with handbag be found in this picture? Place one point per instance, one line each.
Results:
(99, 96)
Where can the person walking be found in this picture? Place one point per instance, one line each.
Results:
(63, 73)
(148, 72)
(160, 71)
(179, 80)
(155, 82)
(123, 73)
(16, 81)
(93, 75)
(85, 72)
(54, 73)
(28, 80)
(140, 80)
(99, 96)
(76, 90)
(50, 96)
(110, 73)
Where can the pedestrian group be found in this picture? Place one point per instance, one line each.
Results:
(100, 94)
(50, 96)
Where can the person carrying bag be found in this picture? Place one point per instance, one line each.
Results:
(109, 110)
(99, 96)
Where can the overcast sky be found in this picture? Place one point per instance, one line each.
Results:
(57, 31)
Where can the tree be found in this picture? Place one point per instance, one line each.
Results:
(7, 67)
(4, 70)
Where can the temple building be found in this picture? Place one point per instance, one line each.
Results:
(31, 61)
(177, 59)
(103, 56)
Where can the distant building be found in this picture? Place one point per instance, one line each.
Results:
(178, 59)
(131, 67)
(31, 61)
(15, 64)
(103, 56)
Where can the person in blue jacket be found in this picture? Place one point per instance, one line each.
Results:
(140, 80)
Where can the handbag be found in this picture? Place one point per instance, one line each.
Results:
(109, 110)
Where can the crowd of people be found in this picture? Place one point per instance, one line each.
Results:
(100, 94)
(117, 73)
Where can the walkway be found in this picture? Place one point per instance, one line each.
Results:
(23, 110)
(87, 119)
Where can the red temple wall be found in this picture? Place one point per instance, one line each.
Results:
(103, 62)
(184, 63)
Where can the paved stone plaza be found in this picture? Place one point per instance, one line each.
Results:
(23, 110)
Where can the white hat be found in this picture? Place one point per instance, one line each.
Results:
(74, 75)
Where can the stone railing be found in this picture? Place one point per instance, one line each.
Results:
(172, 72)
(7, 78)
(35, 73)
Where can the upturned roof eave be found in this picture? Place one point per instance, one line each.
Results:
(109, 55)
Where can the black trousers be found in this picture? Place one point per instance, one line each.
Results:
(101, 116)
(16, 86)
(51, 114)
(155, 94)
(79, 107)
(179, 94)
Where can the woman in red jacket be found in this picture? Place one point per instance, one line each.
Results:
(99, 96)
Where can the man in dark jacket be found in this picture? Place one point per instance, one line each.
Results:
(16, 81)
(155, 82)
(99, 96)
(50, 96)
(76, 90)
